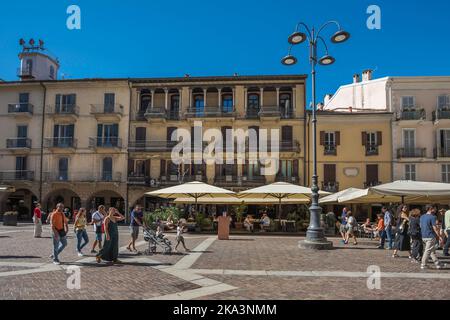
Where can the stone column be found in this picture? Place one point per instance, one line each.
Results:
(278, 98)
(153, 98)
(245, 99)
(261, 98)
(204, 98)
(220, 98)
(166, 104)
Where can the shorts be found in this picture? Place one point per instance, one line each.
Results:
(98, 233)
(134, 231)
(350, 231)
(343, 228)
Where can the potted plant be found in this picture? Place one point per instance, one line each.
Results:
(10, 218)
(199, 220)
(239, 211)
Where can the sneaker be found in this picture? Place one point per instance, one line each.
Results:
(422, 266)
(93, 251)
(80, 254)
(380, 247)
(56, 262)
(51, 256)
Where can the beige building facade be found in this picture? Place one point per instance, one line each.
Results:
(421, 126)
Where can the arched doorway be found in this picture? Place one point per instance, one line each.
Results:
(22, 200)
(68, 197)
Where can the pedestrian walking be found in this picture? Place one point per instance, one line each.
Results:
(430, 237)
(351, 226)
(402, 239)
(59, 226)
(343, 225)
(416, 235)
(137, 220)
(80, 230)
(180, 238)
(37, 220)
(110, 250)
(389, 222)
(97, 221)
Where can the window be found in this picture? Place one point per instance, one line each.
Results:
(410, 172)
(444, 143)
(21, 168)
(24, 98)
(22, 134)
(285, 104)
(408, 102)
(63, 135)
(330, 139)
(286, 168)
(52, 72)
(199, 102)
(443, 102)
(371, 175)
(253, 169)
(65, 103)
(109, 102)
(446, 173)
(63, 169)
(107, 135)
(409, 139)
(253, 101)
(175, 103)
(107, 169)
(227, 103)
(145, 101)
(29, 67)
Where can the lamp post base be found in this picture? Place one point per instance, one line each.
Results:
(315, 245)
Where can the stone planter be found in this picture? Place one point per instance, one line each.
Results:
(10, 220)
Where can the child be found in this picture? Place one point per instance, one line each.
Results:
(180, 238)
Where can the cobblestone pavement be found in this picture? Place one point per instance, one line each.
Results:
(245, 267)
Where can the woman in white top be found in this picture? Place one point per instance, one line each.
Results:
(351, 225)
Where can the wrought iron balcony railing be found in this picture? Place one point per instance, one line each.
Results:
(205, 112)
(330, 186)
(18, 143)
(17, 175)
(330, 150)
(85, 176)
(413, 114)
(64, 109)
(151, 146)
(442, 152)
(371, 150)
(20, 108)
(105, 142)
(60, 142)
(107, 109)
(411, 153)
(369, 184)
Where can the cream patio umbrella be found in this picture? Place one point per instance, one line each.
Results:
(195, 190)
(237, 201)
(334, 198)
(404, 191)
(280, 191)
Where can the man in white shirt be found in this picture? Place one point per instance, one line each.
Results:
(97, 221)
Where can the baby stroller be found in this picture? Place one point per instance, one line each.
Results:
(156, 240)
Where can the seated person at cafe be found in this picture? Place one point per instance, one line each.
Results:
(368, 228)
(248, 223)
(264, 222)
(169, 222)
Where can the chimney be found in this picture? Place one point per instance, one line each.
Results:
(356, 78)
(327, 98)
(367, 75)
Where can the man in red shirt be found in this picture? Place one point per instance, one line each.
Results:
(37, 219)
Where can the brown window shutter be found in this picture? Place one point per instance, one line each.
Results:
(329, 172)
(130, 166)
(295, 168)
(163, 167)
(372, 173)
(147, 168)
(338, 138)
(379, 138)
(364, 138)
(322, 138)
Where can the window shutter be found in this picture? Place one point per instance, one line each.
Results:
(295, 168)
(322, 138)
(163, 168)
(338, 138)
(56, 131)
(147, 168)
(234, 169)
(58, 102)
(245, 168)
(218, 170)
(372, 173)
(364, 138)
(130, 166)
(99, 130)
(379, 138)
(71, 130)
(329, 172)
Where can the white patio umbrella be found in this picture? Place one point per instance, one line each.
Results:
(280, 191)
(237, 201)
(195, 190)
(404, 191)
(334, 198)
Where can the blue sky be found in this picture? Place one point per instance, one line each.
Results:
(159, 38)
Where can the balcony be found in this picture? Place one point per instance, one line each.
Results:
(289, 146)
(371, 150)
(413, 114)
(156, 114)
(21, 110)
(252, 114)
(67, 143)
(25, 72)
(173, 179)
(330, 150)
(18, 144)
(411, 153)
(269, 112)
(210, 112)
(17, 175)
(369, 184)
(330, 186)
(441, 114)
(69, 176)
(151, 146)
(442, 152)
(103, 112)
(64, 112)
(105, 143)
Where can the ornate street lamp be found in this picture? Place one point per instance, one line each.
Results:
(315, 238)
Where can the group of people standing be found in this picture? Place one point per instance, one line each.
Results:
(417, 233)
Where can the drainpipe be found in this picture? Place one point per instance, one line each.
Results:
(41, 171)
(127, 218)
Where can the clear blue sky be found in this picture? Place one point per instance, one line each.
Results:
(159, 38)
